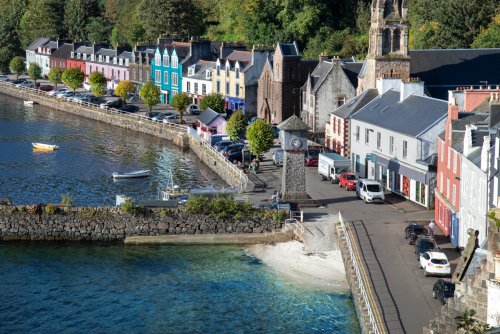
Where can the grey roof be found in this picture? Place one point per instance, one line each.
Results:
(50, 44)
(38, 43)
(63, 52)
(293, 123)
(458, 128)
(289, 49)
(241, 56)
(106, 52)
(85, 49)
(352, 69)
(412, 116)
(356, 103)
(201, 68)
(125, 55)
(208, 116)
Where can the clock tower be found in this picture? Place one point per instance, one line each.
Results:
(293, 137)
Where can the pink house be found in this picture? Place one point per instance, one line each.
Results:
(113, 63)
(210, 123)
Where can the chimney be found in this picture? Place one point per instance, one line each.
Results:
(468, 139)
(386, 83)
(494, 109)
(323, 56)
(485, 153)
(412, 87)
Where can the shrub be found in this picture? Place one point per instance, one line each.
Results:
(222, 206)
(67, 200)
(130, 207)
(50, 209)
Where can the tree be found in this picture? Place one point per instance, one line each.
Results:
(150, 95)
(6, 56)
(98, 29)
(471, 325)
(98, 83)
(42, 18)
(10, 16)
(73, 77)
(16, 66)
(124, 88)
(35, 72)
(260, 136)
(213, 101)
(77, 14)
(55, 75)
(236, 125)
(180, 102)
(489, 37)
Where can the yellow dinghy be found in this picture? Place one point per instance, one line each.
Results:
(44, 147)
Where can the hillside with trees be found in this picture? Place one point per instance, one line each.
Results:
(337, 27)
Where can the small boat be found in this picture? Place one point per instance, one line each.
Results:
(134, 174)
(29, 103)
(173, 193)
(44, 147)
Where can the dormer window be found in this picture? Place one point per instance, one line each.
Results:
(126, 62)
(92, 57)
(237, 70)
(166, 60)
(209, 75)
(175, 62)
(72, 55)
(120, 61)
(107, 59)
(78, 56)
(84, 56)
(190, 71)
(114, 60)
(100, 58)
(157, 60)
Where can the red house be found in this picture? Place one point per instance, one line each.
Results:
(60, 56)
(79, 56)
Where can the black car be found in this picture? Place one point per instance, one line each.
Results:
(424, 244)
(412, 231)
(236, 146)
(443, 290)
(129, 108)
(223, 144)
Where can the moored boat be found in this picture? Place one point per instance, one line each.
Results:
(134, 174)
(44, 147)
(29, 103)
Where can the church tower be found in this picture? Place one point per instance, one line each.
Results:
(388, 43)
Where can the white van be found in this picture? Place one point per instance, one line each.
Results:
(370, 191)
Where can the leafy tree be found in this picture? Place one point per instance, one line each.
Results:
(117, 37)
(77, 14)
(35, 72)
(489, 37)
(73, 77)
(124, 88)
(6, 56)
(10, 16)
(260, 137)
(16, 66)
(471, 325)
(42, 18)
(236, 125)
(150, 95)
(55, 75)
(98, 29)
(181, 17)
(180, 102)
(98, 83)
(213, 101)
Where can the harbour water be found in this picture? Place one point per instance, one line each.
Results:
(112, 288)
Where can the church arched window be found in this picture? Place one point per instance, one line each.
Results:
(386, 41)
(396, 40)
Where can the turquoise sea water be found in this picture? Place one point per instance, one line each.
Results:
(82, 288)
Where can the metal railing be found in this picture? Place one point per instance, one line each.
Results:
(359, 279)
(297, 215)
(295, 224)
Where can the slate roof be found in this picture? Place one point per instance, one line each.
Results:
(106, 52)
(447, 69)
(356, 103)
(63, 52)
(458, 128)
(411, 116)
(38, 43)
(208, 116)
(201, 68)
(289, 49)
(181, 49)
(293, 123)
(84, 49)
(352, 69)
(50, 44)
(241, 56)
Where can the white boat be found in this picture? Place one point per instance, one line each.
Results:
(44, 147)
(29, 103)
(173, 193)
(128, 175)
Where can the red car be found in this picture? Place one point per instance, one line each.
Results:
(348, 180)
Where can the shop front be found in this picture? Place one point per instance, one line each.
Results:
(234, 104)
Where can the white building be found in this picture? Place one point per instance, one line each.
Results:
(394, 139)
(198, 82)
(39, 52)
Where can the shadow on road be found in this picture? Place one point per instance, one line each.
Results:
(338, 200)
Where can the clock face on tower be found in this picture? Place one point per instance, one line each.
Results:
(296, 143)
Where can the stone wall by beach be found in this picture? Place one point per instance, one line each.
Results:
(109, 223)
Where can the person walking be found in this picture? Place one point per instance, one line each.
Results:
(432, 227)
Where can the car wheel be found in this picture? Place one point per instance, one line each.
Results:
(364, 199)
(340, 184)
(332, 181)
(323, 178)
(443, 301)
(434, 294)
(420, 265)
(426, 274)
(346, 189)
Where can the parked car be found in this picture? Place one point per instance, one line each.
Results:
(68, 96)
(63, 93)
(3, 78)
(87, 86)
(435, 263)
(370, 191)
(132, 97)
(58, 91)
(26, 84)
(348, 180)
(215, 138)
(161, 116)
(311, 160)
(223, 144)
(112, 104)
(46, 88)
(170, 118)
(443, 290)
(231, 147)
(424, 244)
(18, 81)
(153, 114)
(412, 231)
(193, 110)
(129, 108)
(278, 157)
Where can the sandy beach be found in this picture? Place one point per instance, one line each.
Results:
(324, 270)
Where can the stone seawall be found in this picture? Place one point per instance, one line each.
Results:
(108, 224)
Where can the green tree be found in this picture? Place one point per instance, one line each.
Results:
(98, 29)
(123, 89)
(10, 16)
(35, 72)
(117, 37)
(260, 137)
(471, 325)
(150, 95)
(55, 75)
(73, 77)
(489, 37)
(42, 18)
(213, 101)
(181, 17)
(236, 125)
(6, 56)
(98, 83)
(180, 102)
(77, 14)
(16, 66)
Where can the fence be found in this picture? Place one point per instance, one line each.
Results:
(359, 279)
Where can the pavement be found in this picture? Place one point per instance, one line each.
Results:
(402, 292)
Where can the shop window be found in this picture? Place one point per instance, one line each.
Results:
(406, 186)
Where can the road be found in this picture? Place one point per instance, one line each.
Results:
(400, 286)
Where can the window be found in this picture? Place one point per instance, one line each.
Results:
(196, 88)
(227, 88)
(209, 74)
(165, 77)
(126, 62)
(175, 78)
(72, 55)
(107, 59)
(204, 89)
(405, 149)
(357, 132)
(218, 86)
(454, 195)
(237, 93)
(90, 68)
(114, 60)
(188, 86)
(367, 136)
(455, 158)
(112, 74)
(84, 56)
(157, 60)
(174, 62)
(449, 157)
(157, 76)
(100, 58)
(379, 139)
(340, 101)
(120, 61)
(441, 153)
(165, 60)
(237, 73)
(218, 69)
(441, 182)
(391, 145)
(119, 75)
(190, 71)
(448, 188)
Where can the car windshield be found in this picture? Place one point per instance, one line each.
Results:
(439, 261)
(448, 287)
(351, 177)
(374, 188)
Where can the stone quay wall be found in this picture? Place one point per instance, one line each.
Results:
(113, 224)
(177, 134)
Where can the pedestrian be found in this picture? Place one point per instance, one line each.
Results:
(275, 197)
(432, 227)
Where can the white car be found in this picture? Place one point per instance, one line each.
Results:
(370, 191)
(434, 263)
(170, 118)
(58, 91)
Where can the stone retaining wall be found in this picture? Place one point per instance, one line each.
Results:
(109, 223)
